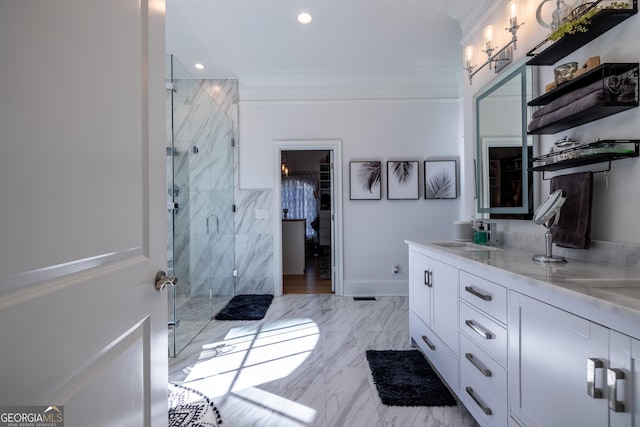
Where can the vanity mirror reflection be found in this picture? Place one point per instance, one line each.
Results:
(503, 150)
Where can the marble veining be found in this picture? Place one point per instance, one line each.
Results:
(304, 364)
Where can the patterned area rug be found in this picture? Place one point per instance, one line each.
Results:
(405, 378)
(188, 407)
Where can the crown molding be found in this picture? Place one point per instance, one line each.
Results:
(429, 84)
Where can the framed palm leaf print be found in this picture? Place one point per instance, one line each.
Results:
(402, 180)
(365, 180)
(440, 179)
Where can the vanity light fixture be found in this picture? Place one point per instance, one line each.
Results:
(502, 57)
(305, 18)
(489, 34)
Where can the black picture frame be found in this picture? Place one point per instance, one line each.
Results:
(440, 179)
(365, 180)
(402, 180)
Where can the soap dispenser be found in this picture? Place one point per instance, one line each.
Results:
(480, 235)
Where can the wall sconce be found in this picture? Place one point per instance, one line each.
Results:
(502, 57)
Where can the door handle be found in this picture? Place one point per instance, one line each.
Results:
(613, 375)
(162, 281)
(592, 365)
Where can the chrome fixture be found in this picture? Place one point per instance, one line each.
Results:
(548, 214)
(500, 57)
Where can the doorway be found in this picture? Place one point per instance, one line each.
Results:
(306, 185)
(306, 221)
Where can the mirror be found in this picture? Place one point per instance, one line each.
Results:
(504, 151)
(550, 209)
(548, 214)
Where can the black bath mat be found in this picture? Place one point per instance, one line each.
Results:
(405, 378)
(245, 307)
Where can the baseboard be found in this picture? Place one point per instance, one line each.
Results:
(372, 288)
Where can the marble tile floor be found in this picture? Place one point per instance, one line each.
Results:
(193, 314)
(304, 364)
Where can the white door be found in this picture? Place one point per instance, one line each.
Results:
(82, 219)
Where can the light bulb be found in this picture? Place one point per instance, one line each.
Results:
(513, 8)
(488, 34)
(468, 54)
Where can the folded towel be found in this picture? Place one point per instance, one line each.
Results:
(573, 229)
(577, 106)
(568, 98)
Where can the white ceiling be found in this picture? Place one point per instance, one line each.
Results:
(261, 38)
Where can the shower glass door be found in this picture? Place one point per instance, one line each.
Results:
(200, 206)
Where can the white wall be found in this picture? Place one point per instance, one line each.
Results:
(615, 207)
(374, 231)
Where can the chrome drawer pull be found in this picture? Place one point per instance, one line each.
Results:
(427, 342)
(427, 278)
(613, 375)
(479, 402)
(478, 329)
(477, 294)
(592, 365)
(478, 365)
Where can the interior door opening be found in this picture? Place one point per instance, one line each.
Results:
(307, 190)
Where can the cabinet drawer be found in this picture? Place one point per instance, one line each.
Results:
(485, 295)
(484, 331)
(441, 358)
(484, 368)
(481, 403)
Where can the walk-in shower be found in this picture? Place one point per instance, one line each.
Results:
(200, 222)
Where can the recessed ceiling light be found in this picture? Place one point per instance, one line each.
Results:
(199, 66)
(304, 18)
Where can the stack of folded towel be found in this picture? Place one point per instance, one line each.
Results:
(612, 89)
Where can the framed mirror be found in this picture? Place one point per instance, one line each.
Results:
(503, 150)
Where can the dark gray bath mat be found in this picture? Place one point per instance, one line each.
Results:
(245, 307)
(405, 378)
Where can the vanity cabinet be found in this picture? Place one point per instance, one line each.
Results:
(433, 321)
(534, 346)
(483, 348)
(566, 370)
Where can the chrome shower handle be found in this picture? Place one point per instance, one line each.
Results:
(217, 225)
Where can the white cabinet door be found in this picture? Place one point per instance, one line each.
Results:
(83, 223)
(623, 381)
(444, 321)
(550, 353)
(420, 280)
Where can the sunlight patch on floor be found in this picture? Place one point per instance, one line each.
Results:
(253, 355)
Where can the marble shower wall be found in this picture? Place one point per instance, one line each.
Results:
(254, 256)
(203, 186)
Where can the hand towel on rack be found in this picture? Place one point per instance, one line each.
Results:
(573, 229)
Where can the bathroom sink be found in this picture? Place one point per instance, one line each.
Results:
(466, 246)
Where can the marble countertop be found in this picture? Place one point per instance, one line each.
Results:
(604, 293)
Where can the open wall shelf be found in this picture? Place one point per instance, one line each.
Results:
(588, 154)
(594, 80)
(602, 22)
